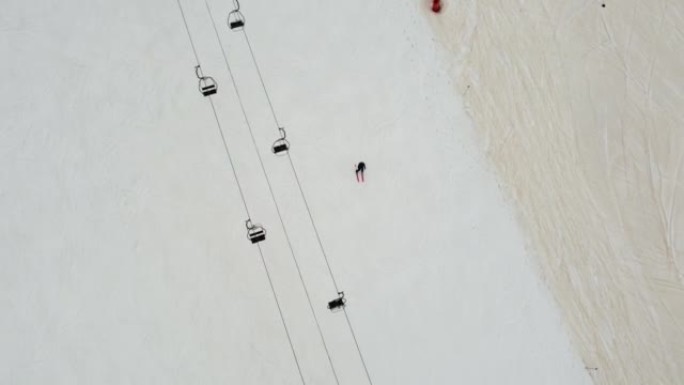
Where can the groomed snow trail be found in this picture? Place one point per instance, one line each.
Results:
(123, 253)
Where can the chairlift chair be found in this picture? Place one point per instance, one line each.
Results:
(281, 145)
(207, 84)
(338, 302)
(235, 20)
(255, 233)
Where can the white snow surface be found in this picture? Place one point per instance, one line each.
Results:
(123, 257)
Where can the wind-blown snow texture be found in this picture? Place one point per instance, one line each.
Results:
(578, 106)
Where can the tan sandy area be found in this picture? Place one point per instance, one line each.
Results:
(580, 109)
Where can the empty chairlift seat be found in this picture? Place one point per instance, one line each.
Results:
(255, 233)
(281, 146)
(235, 19)
(337, 303)
(207, 84)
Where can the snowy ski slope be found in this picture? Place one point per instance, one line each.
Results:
(123, 253)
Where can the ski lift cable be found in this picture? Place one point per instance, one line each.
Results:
(356, 342)
(313, 223)
(275, 202)
(230, 158)
(306, 204)
(187, 30)
(282, 317)
(261, 78)
(244, 201)
(199, 74)
(332, 276)
(294, 169)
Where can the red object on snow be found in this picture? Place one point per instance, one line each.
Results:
(436, 6)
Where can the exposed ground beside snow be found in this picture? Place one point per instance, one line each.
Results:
(581, 110)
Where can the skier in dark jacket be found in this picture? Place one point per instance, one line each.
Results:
(360, 168)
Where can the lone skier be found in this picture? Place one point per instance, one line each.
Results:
(360, 168)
